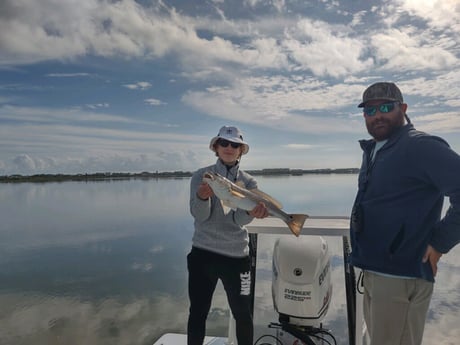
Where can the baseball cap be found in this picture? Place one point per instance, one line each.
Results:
(382, 90)
(232, 134)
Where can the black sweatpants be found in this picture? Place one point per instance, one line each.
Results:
(205, 268)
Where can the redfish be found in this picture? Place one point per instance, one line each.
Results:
(234, 196)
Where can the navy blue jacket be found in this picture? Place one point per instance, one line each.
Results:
(399, 204)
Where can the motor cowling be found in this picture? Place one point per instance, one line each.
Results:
(301, 283)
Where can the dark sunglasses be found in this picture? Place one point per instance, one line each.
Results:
(371, 110)
(225, 143)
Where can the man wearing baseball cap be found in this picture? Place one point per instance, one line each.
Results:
(396, 229)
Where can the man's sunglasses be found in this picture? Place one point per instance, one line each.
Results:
(371, 110)
(225, 143)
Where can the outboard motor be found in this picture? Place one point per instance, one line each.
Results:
(301, 285)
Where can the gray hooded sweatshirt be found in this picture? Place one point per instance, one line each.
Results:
(215, 231)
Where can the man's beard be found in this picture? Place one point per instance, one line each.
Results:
(385, 127)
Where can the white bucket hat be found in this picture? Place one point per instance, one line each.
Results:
(232, 134)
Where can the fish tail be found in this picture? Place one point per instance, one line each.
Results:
(296, 222)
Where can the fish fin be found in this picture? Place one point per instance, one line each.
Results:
(240, 184)
(296, 223)
(268, 197)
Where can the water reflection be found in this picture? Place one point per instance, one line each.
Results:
(104, 262)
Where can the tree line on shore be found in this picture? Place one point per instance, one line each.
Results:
(155, 175)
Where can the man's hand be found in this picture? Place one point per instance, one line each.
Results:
(204, 192)
(260, 211)
(433, 256)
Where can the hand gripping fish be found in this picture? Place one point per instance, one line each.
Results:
(234, 196)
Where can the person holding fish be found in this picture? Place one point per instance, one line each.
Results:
(220, 244)
(397, 232)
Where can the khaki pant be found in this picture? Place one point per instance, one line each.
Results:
(395, 309)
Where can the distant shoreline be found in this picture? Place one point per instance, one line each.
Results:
(156, 175)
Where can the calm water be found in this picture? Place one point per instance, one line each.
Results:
(104, 262)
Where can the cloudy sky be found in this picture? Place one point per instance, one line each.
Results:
(130, 86)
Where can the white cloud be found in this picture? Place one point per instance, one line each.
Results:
(439, 91)
(279, 5)
(448, 122)
(125, 28)
(50, 115)
(300, 146)
(440, 14)
(41, 140)
(25, 163)
(280, 102)
(154, 101)
(67, 75)
(103, 160)
(141, 85)
(404, 50)
(97, 106)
